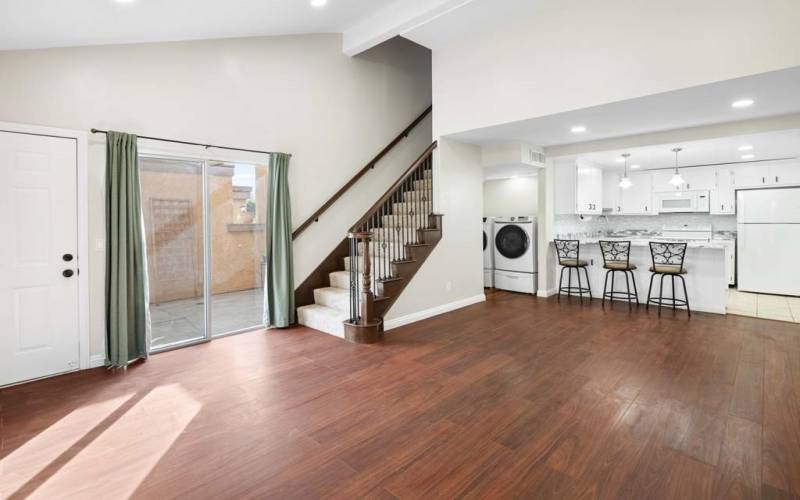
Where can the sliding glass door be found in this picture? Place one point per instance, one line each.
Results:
(237, 231)
(205, 232)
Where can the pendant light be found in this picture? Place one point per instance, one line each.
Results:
(677, 179)
(625, 182)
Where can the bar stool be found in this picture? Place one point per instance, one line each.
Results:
(617, 259)
(569, 253)
(668, 259)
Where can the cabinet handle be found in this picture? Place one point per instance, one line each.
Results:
(688, 186)
(763, 180)
(776, 179)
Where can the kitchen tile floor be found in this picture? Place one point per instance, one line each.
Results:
(764, 306)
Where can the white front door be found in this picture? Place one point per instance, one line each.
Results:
(39, 329)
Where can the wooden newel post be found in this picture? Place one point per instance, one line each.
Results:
(367, 298)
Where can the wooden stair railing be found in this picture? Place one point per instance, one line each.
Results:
(366, 168)
(388, 245)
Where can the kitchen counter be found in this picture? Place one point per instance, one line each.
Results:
(645, 241)
(707, 261)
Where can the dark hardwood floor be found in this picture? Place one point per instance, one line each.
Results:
(517, 397)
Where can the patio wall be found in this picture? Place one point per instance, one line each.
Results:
(172, 207)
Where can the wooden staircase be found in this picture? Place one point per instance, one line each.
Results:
(383, 251)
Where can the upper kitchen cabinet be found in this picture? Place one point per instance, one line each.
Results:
(612, 195)
(661, 181)
(588, 188)
(638, 199)
(699, 178)
(723, 198)
(785, 172)
(779, 173)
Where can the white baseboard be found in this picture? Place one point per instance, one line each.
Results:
(433, 311)
(546, 293)
(97, 360)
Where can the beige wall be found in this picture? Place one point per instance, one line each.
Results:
(447, 277)
(510, 197)
(552, 56)
(297, 94)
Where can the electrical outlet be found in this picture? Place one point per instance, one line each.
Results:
(449, 286)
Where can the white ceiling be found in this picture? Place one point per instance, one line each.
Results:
(775, 93)
(766, 146)
(27, 24)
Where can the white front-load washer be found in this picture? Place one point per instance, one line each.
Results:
(515, 254)
(488, 252)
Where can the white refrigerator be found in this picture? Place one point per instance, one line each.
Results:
(768, 241)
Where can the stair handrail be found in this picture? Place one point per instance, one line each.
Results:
(399, 182)
(395, 232)
(369, 166)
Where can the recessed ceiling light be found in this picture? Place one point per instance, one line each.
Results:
(635, 167)
(620, 160)
(579, 129)
(746, 147)
(748, 157)
(318, 3)
(743, 103)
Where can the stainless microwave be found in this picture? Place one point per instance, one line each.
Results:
(683, 202)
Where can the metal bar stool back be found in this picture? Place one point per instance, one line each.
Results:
(668, 260)
(569, 257)
(617, 259)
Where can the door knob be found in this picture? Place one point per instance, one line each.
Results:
(68, 273)
(67, 257)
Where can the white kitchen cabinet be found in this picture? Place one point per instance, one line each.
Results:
(699, 178)
(661, 181)
(723, 198)
(638, 199)
(564, 184)
(784, 173)
(781, 173)
(748, 176)
(612, 196)
(588, 188)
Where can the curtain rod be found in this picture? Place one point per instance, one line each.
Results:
(98, 131)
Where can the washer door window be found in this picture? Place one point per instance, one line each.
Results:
(512, 242)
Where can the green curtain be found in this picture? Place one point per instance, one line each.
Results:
(126, 303)
(279, 284)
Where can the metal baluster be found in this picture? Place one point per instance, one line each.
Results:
(350, 273)
(390, 236)
(419, 210)
(410, 180)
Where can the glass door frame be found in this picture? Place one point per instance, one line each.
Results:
(203, 162)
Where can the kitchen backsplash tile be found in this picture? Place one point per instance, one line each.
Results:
(574, 224)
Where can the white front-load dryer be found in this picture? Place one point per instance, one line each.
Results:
(488, 252)
(515, 254)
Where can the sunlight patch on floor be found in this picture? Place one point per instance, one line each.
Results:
(24, 463)
(120, 458)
